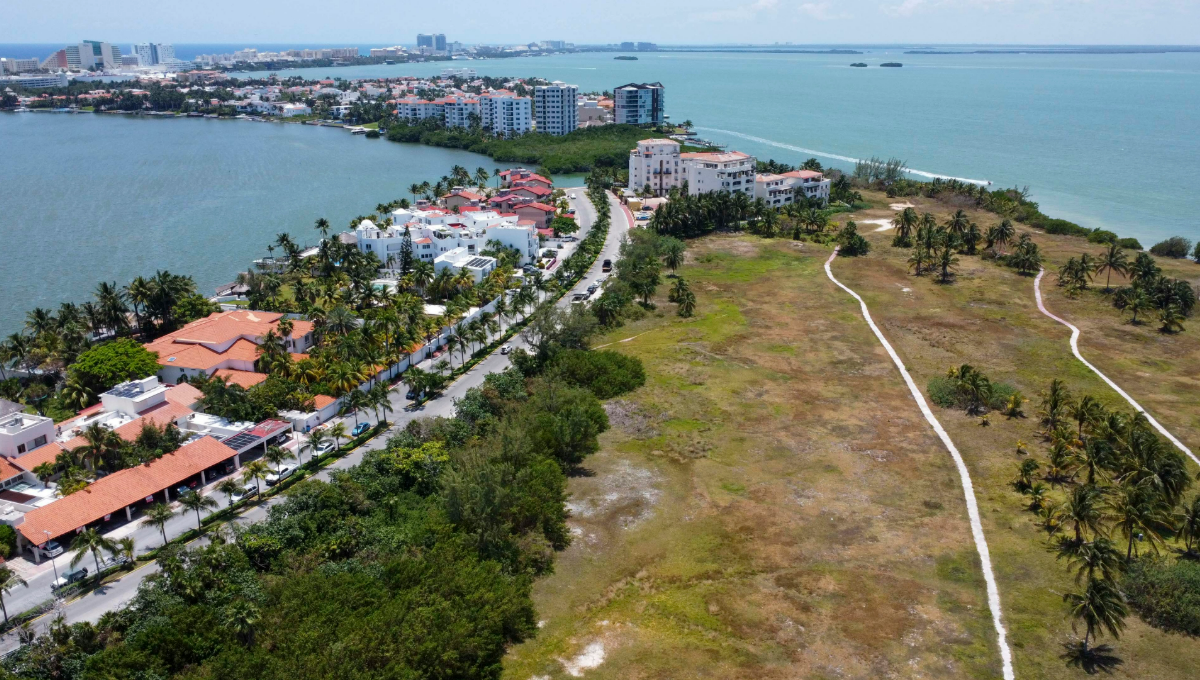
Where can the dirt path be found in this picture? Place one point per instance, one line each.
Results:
(1037, 292)
(993, 591)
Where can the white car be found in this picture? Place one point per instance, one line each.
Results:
(283, 473)
(248, 492)
(572, 197)
(325, 449)
(506, 349)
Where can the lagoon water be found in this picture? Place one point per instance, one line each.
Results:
(1106, 140)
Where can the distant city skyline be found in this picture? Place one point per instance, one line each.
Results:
(1106, 22)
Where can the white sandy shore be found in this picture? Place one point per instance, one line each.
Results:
(884, 224)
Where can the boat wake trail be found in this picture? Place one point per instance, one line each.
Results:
(824, 154)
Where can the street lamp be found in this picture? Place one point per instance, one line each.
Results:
(52, 564)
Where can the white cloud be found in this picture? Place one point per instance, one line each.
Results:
(742, 13)
(822, 11)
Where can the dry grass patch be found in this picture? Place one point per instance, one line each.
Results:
(770, 505)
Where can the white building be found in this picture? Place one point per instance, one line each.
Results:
(288, 110)
(655, 162)
(36, 81)
(460, 259)
(15, 66)
(639, 104)
(465, 73)
(436, 232)
(505, 114)
(101, 55)
(729, 171)
(779, 190)
(555, 108)
(152, 54)
(22, 432)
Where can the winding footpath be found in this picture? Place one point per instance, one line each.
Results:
(1037, 292)
(993, 591)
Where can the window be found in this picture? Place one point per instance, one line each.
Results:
(20, 449)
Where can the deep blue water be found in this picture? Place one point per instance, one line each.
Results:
(1106, 140)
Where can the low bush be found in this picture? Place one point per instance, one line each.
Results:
(605, 373)
(1130, 243)
(1176, 246)
(1165, 593)
(977, 394)
(1102, 236)
(1052, 225)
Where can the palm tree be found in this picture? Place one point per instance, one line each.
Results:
(1084, 511)
(256, 470)
(1138, 302)
(314, 441)
(158, 515)
(126, 548)
(1113, 260)
(1171, 319)
(240, 617)
(276, 455)
(90, 540)
(947, 262)
(195, 502)
(9, 580)
(904, 224)
(337, 433)
(322, 226)
(687, 303)
(1084, 411)
(1100, 607)
(958, 223)
(1091, 558)
(1189, 525)
(1004, 233)
(1140, 513)
(674, 255)
(230, 488)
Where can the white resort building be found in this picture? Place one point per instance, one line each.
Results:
(435, 232)
(655, 163)
(728, 171)
(779, 190)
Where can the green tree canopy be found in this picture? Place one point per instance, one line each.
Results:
(103, 366)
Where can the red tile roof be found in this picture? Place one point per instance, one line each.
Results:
(112, 493)
(246, 379)
(160, 416)
(539, 206)
(191, 346)
(322, 400)
(42, 454)
(184, 394)
(8, 470)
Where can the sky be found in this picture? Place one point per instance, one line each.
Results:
(369, 23)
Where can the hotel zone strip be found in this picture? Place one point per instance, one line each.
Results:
(1037, 292)
(993, 592)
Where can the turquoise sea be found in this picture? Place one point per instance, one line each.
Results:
(1106, 140)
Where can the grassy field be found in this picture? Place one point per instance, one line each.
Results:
(772, 504)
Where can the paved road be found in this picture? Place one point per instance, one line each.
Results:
(91, 606)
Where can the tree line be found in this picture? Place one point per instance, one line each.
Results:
(1148, 290)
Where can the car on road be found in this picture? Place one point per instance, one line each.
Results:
(360, 429)
(243, 494)
(412, 395)
(592, 288)
(69, 577)
(506, 349)
(325, 449)
(279, 475)
(607, 266)
(572, 196)
(52, 549)
(578, 298)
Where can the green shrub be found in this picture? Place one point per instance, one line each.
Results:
(605, 372)
(942, 391)
(8, 541)
(1130, 243)
(1165, 593)
(1102, 236)
(103, 366)
(1176, 246)
(1056, 226)
(1000, 395)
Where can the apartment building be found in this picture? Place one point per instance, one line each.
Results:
(779, 190)
(728, 171)
(505, 114)
(639, 104)
(555, 108)
(655, 163)
(15, 66)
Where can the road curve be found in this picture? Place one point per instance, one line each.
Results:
(1037, 292)
(993, 591)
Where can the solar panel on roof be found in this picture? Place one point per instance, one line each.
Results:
(478, 262)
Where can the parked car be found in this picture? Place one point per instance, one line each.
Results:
(360, 429)
(506, 349)
(607, 266)
(283, 473)
(184, 488)
(70, 577)
(52, 549)
(592, 288)
(577, 298)
(411, 395)
(247, 492)
(325, 449)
